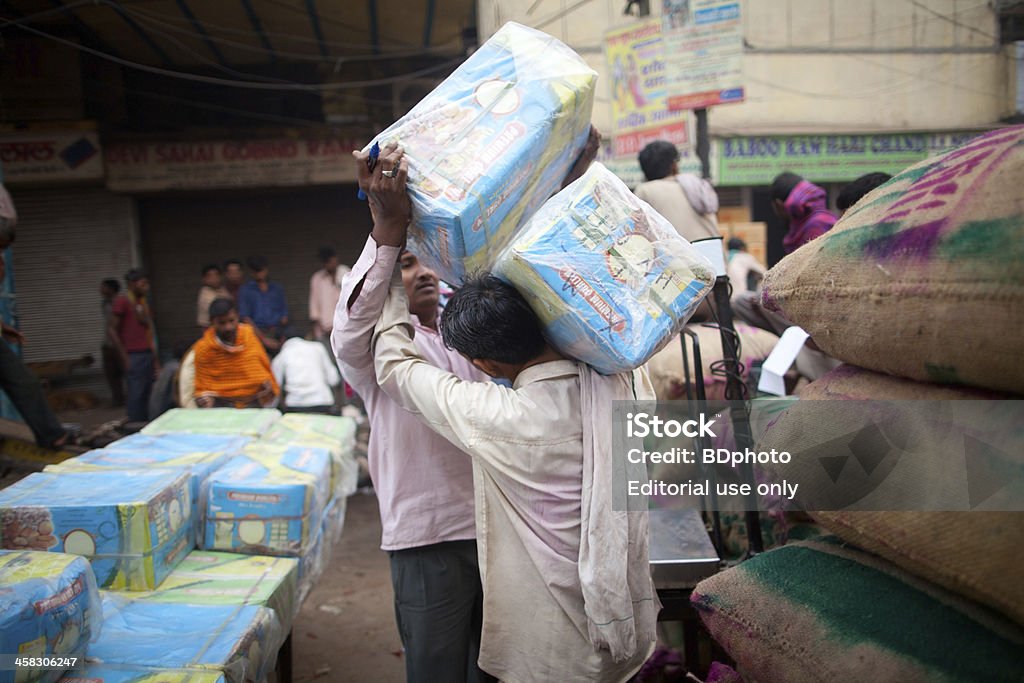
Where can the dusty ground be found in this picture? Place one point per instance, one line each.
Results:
(346, 629)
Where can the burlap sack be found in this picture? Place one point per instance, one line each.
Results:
(820, 611)
(924, 277)
(975, 554)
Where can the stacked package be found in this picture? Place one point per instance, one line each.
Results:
(49, 605)
(213, 421)
(199, 466)
(214, 578)
(337, 434)
(610, 278)
(268, 501)
(98, 673)
(490, 144)
(239, 641)
(181, 443)
(134, 526)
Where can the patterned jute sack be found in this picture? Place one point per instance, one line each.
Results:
(975, 554)
(822, 611)
(924, 277)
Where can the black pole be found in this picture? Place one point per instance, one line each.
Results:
(703, 142)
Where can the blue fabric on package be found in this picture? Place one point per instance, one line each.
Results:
(609, 277)
(490, 144)
(240, 641)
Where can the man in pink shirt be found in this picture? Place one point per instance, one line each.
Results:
(424, 484)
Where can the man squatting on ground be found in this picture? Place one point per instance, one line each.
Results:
(567, 590)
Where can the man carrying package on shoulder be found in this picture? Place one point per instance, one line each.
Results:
(566, 582)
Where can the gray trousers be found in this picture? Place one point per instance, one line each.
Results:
(439, 610)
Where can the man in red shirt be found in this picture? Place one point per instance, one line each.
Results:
(132, 333)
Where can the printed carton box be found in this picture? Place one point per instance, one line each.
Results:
(133, 525)
(217, 421)
(268, 501)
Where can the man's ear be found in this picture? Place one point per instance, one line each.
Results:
(488, 367)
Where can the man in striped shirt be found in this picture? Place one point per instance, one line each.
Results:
(232, 368)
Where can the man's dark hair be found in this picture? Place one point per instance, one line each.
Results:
(326, 253)
(736, 244)
(211, 266)
(488, 319)
(233, 262)
(851, 194)
(112, 284)
(257, 263)
(221, 306)
(784, 184)
(134, 275)
(656, 159)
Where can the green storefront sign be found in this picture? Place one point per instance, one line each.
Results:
(827, 158)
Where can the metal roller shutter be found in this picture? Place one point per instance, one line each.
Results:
(69, 240)
(182, 233)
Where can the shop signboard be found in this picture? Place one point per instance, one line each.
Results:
(639, 108)
(225, 164)
(703, 52)
(43, 157)
(827, 158)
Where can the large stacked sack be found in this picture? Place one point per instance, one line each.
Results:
(134, 526)
(610, 279)
(490, 144)
(49, 606)
(924, 277)
(823, 611)
(238, 641)
(975, 554)
(232, 422)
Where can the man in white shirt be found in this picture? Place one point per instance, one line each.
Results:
(566, 581)
(307, 375)
(689, 203)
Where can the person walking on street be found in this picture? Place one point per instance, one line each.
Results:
(262, 304)
(133, 334)
(324, 290)
(113, 369)
(212, 288)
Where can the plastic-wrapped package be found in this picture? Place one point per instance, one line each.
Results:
(240, 641)
(222, 421)
(490, 144)
(97, 673)
(610, 278)
(313, 561)
(181, 443)
(268, 501)
(337, 434)
(49, 605)
(133, 525)
(199, 465)
(213, 578)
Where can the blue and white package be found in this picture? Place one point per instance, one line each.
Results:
(181, 443)
(49, 606)
(609, 277)
(490, 144)
(268, 501)
(241, 641)
(133, 525)
(199, 465)
(223, 421)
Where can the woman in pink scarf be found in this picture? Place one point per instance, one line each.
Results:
(804, 208)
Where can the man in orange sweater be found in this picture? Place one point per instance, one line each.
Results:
(232, 368)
